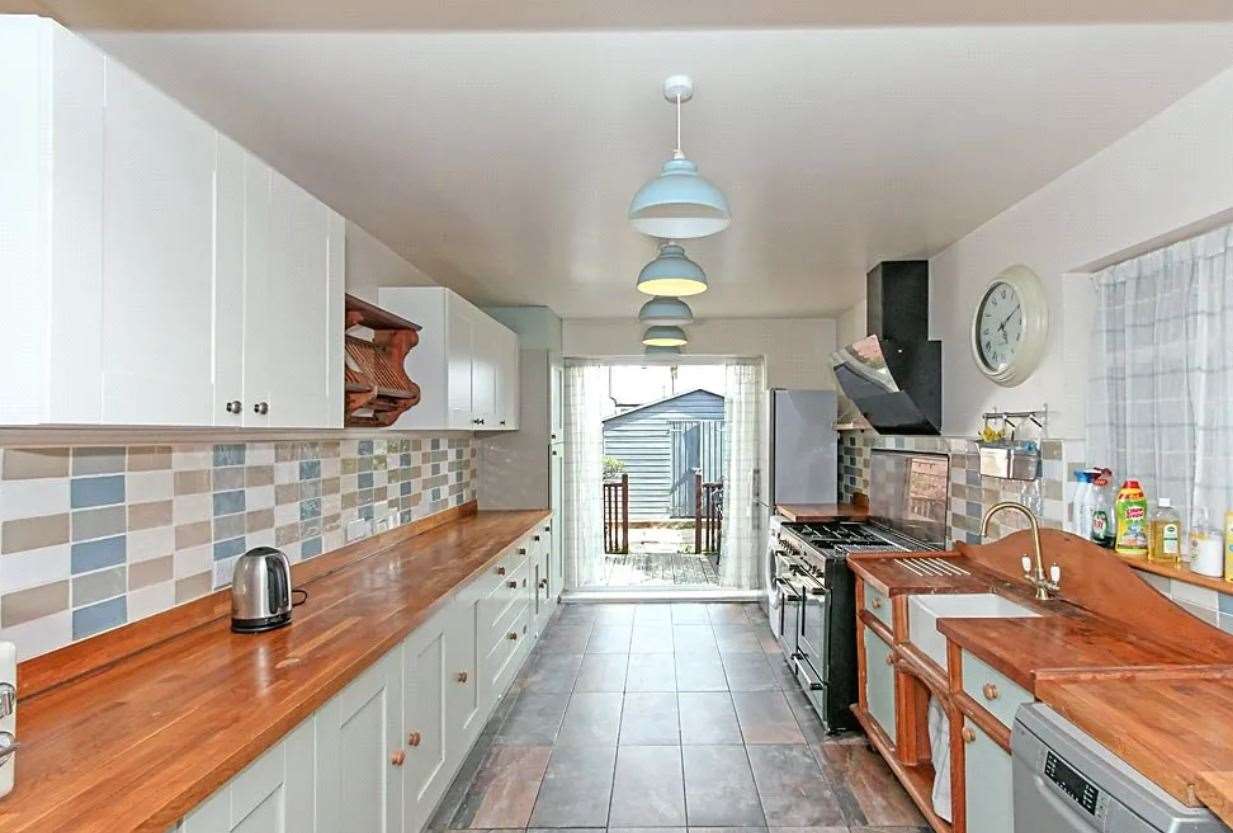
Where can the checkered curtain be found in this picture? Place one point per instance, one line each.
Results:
(1160, 402)
(586, 387)
(740, 564)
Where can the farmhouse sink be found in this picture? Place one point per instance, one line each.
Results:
(924, 611)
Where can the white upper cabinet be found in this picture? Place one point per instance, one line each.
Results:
(466, 362)
(161, 275)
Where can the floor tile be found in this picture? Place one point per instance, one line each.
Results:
(615, 614)
(727, 830)
(504, 790)
(719, 787)
(565, 638)
(727, 613)
(549, 671)
(708, 717)
(860, 774)
(806, 718)
(653, 614)
(648, 790)
(691, 639)
(609, 639)
(738, 639)
(534, 719)
(652, 639)
(749, 672)
(602, 672)
(793, 791)
(766, 718)
(700, 672)
(650, 719)
(651, 672)
(577, 787)
(647, 830)
(684, 613)
(591, 719)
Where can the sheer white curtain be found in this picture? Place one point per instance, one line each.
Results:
(1160, 402)
(739, 558)
(586, 385)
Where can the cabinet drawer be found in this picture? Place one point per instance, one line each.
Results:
(992, 689)
(878, 603)
(502, 657)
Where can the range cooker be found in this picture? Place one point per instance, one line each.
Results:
(812, 606)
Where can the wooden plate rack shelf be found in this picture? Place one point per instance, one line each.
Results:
(377, 387)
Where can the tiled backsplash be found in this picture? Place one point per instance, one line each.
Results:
(1049, 496)
(94, 537)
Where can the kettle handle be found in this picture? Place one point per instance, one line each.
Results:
(280, 592)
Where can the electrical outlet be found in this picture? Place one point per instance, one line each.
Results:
(381, 524)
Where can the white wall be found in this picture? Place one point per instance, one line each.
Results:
(797, 350)
(1165, 180)
(372, 264)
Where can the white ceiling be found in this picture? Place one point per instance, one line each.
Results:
(502, 162)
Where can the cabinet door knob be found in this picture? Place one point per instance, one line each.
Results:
(461, 677)
(536, 538)
(502, 422)
(511, 583)
(522, 550)
(234, 406)
(500, 571)
(990, 691)
(890, 659)
(968, 735)
(511, 636)
(261, 408)
(413, 739)
(876, 603)
(543, 582)
(399, 758)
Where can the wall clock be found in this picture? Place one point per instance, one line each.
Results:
(1010, 326)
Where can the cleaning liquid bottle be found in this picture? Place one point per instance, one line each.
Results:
(1081, 504)
(1165, 544)
(1103, 526)
(1130, 516)
(1228, 545)
(1206, 546)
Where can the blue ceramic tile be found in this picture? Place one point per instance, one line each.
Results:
(310, 548)
(95, 555)
(436, 469)
(96, 491)
(310, 469)
(310, 509)
(1226, 622)
(228, 503)
(364, 481)
(88, 621)
(366, 512)
(404, 488)
(436, 493)
(1226, 603)
(366, 448)
(405, 517)
(229, 454)
(228, 549)
(404, 459)
(436, 444)
(974, 509)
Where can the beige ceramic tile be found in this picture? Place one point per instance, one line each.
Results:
(259, 519)
(26, 463)
(194, 534)
(193, 587)
(35, 603)
(149, 515)
(192, 482)
(145, 573)
(259, 475)
(149, 457)
(34, 533)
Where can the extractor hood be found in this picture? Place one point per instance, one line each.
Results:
(894, 374)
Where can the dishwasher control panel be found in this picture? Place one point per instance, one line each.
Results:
(1072, 783)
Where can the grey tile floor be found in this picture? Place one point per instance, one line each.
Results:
(667, 718)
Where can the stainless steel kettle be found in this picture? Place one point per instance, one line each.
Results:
(261, 591)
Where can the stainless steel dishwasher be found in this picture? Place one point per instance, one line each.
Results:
(1067, 782)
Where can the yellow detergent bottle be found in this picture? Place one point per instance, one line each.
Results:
(1130, 514)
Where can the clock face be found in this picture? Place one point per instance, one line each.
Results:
(999, 326)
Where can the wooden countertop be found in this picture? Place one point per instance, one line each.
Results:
(814, 512)
(135, 745)
(1116, 658)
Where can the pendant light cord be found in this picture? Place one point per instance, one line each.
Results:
(679, 153)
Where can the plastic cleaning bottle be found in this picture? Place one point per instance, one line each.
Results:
(1165, 543)
(1206, 546)
(1104, 528)
(1130, 515)
(1228, 545)
(1081, 504)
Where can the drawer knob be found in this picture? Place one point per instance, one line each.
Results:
(890, 659)
(876, 603)
(511, 583)
(461, 677)
(500, 571)
(399, 758)
(234, 406)
(262, 408)
(522, 550)
(414, 739)
(536, 538)
(968, 735)
(511, 636)
(990, 691)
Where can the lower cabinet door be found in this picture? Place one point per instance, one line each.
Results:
(360, 737)
(880, 683)
(988, 789)
(464, 704)
(426, 772)
(274, 794)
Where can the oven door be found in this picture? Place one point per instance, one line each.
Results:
(812, 628)
(785, 609)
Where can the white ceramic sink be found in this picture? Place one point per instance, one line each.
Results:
(924, 611)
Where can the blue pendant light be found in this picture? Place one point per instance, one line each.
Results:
(653, 351)
(661, 336)
(679, 204)
(671, 274)
(668, 311)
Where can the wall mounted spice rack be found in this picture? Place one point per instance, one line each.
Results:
(377, 387)
(1009, 458)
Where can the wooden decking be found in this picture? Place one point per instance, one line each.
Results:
(659, 569)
